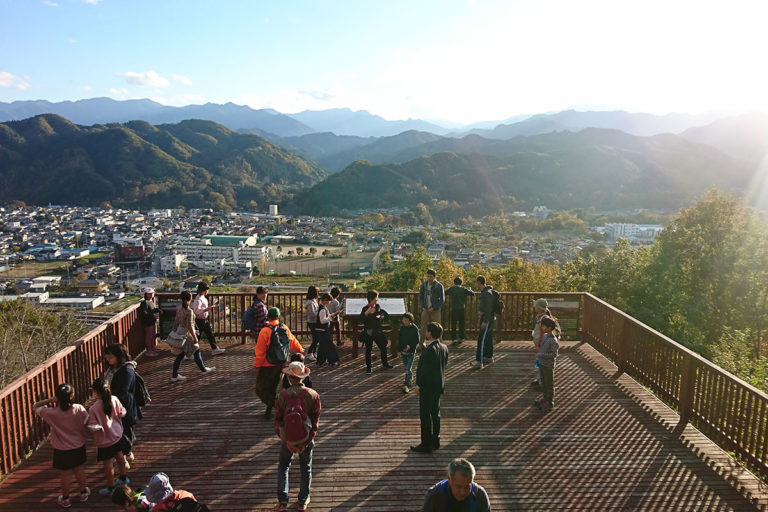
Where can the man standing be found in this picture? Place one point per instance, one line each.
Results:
(486, 319)
(269, 374)
(259, 310)
(431, 299)
(297, 413)
(201, 309)
(457, 493)
(430, 377)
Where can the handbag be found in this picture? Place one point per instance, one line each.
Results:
(176, 339)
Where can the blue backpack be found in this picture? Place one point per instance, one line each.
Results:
(248, 319)
(472, 501)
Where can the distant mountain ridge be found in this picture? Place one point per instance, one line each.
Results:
(194, 163)
(361, 123)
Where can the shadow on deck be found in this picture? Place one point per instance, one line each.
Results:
(608, 445)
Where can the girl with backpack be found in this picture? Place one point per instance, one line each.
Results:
(68, 437)
(184, 329)
(104, 421)
(326, 353)
(120, 376)
(311, 308)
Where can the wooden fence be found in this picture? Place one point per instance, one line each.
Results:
(726, 409)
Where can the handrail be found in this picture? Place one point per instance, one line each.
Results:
(728, 410)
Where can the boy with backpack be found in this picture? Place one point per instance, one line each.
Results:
(275, 340)
(255, 317)
(297, 414)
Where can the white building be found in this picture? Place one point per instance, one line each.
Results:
(172, 263)
(273, 210)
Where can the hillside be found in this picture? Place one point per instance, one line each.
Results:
(604, 169)
(744, 136)
(193, 163)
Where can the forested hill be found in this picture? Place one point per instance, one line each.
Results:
(193, 163)
(604, 169)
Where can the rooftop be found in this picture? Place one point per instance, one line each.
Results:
(608, 444)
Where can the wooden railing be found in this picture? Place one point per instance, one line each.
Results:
(79, 364)
(726, 409)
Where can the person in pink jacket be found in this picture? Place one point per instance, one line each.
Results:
(104, 421)
(68, 436)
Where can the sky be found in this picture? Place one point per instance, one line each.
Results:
(459, 61)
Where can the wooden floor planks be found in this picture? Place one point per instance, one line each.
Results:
(608, 445)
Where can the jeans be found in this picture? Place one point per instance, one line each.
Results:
(407, 358)
(485, 343)
(457, 324)
(429, 413)
(180, 358)
(205, 327)
(284, 464)
(548, 384)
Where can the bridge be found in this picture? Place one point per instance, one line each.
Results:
(640, 423)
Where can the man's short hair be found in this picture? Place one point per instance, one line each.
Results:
(325, 296)
(409, 316)
(431, 272)
(435, 330)
(372, 294)
(463, 466)
(335, 292)
(457, 281)
(481, 279)
(261, 289)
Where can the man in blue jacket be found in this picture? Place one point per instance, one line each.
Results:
(431, 300)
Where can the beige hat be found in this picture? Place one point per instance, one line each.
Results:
(296, 369)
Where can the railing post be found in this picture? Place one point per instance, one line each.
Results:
(687, 390)
(244, 336)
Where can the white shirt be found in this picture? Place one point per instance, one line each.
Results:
(200, 306)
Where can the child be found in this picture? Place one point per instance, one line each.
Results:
(372, 316)
(458, 295)
(334, 308)
(546, 357)
(326, 353)
(68, 437)
(130, 500)
(540, 310)
(311, 308)
(104, 420)
(408, 339)
(296, 356)
(159, 496)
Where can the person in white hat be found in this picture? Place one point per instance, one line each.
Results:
(149, 313)
(297, 413)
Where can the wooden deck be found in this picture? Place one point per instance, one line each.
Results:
(608, 445)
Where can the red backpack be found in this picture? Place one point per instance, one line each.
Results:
(297, 426)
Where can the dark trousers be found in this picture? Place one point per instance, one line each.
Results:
(429, 413)
(336, 328)
(266, 384)
(205, 327)
(315, 342)
(381, 341)
(457, 324)
(548, 383)
(129, 437)
(326, 352)
(485, 343)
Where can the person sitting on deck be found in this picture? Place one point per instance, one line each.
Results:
(158, 497)
(457, 493)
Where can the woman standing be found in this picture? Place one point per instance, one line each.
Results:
(149, 313)
(120, 376)
(311, 308)
(185, 327)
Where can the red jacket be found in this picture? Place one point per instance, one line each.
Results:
(168, 503)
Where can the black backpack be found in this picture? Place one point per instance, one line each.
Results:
(498, 304)
(279, 345)
(141, 394)
(189, 505)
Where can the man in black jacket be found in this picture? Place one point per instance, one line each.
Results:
(486, 319)
(430, 377)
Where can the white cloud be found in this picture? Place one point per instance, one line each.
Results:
(92, 2)
(10, 81)
(49, 3)
(119, 94)
(145, 79)
(182, 79)
(180, 100)
(85, 88)
(291, 100)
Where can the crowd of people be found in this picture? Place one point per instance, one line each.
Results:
(282, 383)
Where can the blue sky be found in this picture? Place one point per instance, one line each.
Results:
(461, 61)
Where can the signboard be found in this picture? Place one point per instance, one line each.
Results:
(393, 306)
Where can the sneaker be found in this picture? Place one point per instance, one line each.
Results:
(209, 369)
(281, 505)
(63, 502)
(178, 378)
(368, 371)
(217, 351)
(387, 365)
(304, 506)
(487, 360)
(151, 353)
(85, 494)
(335, 364)
(127, 465)
(406, 389)
(129, 457)
(456, 343)
(476, 364)
(311, 357)
(106, 491)
(535, 384)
